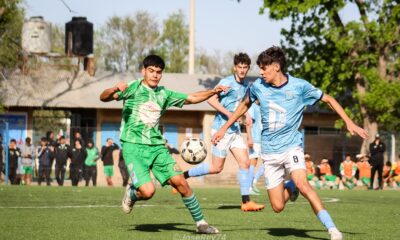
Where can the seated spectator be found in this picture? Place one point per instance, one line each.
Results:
(310, 167)
(364, 170)
(348, 170)
(396, 172)
(387, 174)
(324, 173)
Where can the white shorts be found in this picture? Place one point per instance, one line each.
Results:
(276, 164)
(255, 151)
(230, 140)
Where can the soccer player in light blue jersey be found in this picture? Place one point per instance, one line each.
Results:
(254, 144)
(226, 103)
(282, 99)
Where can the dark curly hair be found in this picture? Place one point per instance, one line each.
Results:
(241, 58)
(273, 54)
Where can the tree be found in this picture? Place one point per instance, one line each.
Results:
(11, 20)
(356, 60)
(174, 43)
(216, 63)
(125, 41)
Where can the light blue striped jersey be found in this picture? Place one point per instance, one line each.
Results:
(230, 100)
(254, 112)
(282, 111)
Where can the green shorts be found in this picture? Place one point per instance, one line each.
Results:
(366, 180)
(140, 159)
(28, 170)
(330, 178)
(310, 177)
(109, 170)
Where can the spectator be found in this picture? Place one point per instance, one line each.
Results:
(107, 158)
(396, 172)
(78, 136)
(364, 170)
(28, 155)
(387, 174)
(324, 173)
(2, 156)
(348, 170)
(13, 154)
(62, 152)
(377, 148)
(78, 157)
(51, 143)
(123, 169)
(90, 168)
(311, 173)
(45, 155)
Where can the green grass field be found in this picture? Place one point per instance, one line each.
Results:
(94, 213)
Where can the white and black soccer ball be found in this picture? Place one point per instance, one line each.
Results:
(193, 151)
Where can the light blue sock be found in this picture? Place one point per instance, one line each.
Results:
(200, 170)
(251, 174)
(244, 181)
(260, 172)
(326, 219)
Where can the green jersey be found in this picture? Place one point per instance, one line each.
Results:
(143, 107)
(92, 156)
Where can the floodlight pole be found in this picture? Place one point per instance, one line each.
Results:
(191, 35)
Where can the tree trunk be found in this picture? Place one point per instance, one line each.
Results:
(371, 126)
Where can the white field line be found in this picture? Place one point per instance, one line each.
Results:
(325, 200)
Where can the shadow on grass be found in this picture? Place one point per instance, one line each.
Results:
(162, 227)
(228, 207)
(301, 233)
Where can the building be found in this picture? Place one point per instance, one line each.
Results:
(65, 102)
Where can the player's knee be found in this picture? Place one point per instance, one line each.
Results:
(147, 193)
(278, 207)
(216, 169)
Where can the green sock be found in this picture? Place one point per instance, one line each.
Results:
(133, 195)
(194, 207)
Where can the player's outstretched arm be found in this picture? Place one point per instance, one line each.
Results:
(351, 126)
(110, 94)
(201, 96)
(240, 110)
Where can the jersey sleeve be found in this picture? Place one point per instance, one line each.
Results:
(311, 94)
(129, 91)
(224, 82)
(175, 99)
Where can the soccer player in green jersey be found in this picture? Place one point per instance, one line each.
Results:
(143, 144)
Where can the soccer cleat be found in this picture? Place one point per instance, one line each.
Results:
(251, 207)
(206, 229)
(335, 234)
(293, 192)
(253, 192)
(127, 203)
(254, 187)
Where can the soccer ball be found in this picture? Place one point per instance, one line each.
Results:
(193, 151)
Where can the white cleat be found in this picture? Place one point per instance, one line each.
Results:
(206, 229)
(335, 234)
(127, 203)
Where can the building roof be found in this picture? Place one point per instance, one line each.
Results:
(65, 89)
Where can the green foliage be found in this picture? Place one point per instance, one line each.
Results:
(11, 20)
(125, 41)
(358, 61)
(174, 43)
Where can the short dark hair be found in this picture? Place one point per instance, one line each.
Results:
(43, 139)
(273, 54)
(153, 60)
(28, 139)
(62, 137)
(241, 58)
(13, 140)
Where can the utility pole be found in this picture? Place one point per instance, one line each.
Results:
(191, 35)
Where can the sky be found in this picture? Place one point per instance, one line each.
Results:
(221, 25)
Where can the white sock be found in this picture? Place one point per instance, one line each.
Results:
(201, 222)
